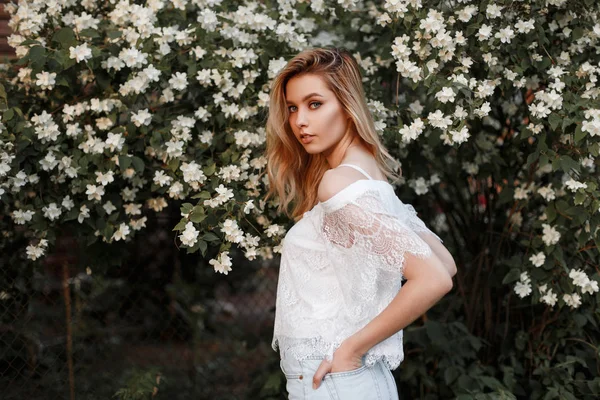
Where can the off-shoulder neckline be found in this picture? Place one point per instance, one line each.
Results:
(345, 189)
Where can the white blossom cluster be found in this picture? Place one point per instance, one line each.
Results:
(96, 126)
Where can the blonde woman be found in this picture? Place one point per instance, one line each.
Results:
(340, 307)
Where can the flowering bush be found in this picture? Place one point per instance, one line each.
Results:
(116, 110)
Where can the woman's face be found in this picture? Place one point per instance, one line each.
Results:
(316, 116)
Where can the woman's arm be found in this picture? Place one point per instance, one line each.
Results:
(440, 251)
(427, 282)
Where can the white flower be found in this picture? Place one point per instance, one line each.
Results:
(574, 185)
(493, 11)
(590, 287)
(109, 207)
(572, 300)
(470, 168)
(460, 136)
(484, 110)
(445, 95)
(222, 264)
(179, 81)
(416, 107)
(104, 178)
(249, 205)
(419, 185)
(133, 209)
(438, 120)
(484, 32)
(189, 236)
(505, 35)
(522, 289)
(22, 216)
(521, 193)
(94, 192)
(550, 235)
(34, 252)
(460, 113)
(142, 117)
(161, 179)
(52, 211)
(80, 53)
(412, 131)
(525, 26)
(84, 212)
(579, 277)
(549, 298)
(538, 259)
(273, 230)
(275, 66)
(232, 231)
(138, 224)
(547, 192)
(114, 141)
(46, 80)
(121, 233)
(68, 203)
(133, 58)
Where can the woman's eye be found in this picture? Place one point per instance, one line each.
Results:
(314, 102)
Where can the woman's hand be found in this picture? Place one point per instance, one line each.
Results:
(345, 358)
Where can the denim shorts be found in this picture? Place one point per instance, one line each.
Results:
(364, 383)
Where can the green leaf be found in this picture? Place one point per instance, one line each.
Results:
(181, 225)
(37, 55)
(114, 34)
(577, 33)
(138, 164)
(197, 218)
(89, 32)
(567, 164)
(210, 237)
(554, 120)
(203, 246)
(550, 213)
(174, 164)
(579, 134)
(66, 37)
(2, 92)
(8, 115)
(451, 374)
(209, 170)
(513, 275)
(124, 162)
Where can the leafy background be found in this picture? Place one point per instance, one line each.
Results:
(497, 133)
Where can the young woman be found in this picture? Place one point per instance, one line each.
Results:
(339, 310)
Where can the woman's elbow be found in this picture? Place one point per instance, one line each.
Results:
(451, 267)
(446, 283)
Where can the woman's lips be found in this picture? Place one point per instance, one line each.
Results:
(305, 139)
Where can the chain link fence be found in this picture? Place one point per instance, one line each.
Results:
(162, 321)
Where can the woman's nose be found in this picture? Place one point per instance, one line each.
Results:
(300, 119)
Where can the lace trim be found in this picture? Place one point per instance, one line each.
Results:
(389, 351)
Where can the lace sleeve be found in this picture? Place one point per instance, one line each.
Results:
(362, 231)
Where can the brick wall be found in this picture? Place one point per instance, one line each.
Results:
(5, 50)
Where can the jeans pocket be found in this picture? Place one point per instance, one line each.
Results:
(289, 374)
(358, 384)
(356, 371)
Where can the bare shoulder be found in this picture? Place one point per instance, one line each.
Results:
(334, 180)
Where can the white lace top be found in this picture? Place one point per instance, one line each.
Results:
(341, 265)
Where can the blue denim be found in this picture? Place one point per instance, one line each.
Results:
(364, 383)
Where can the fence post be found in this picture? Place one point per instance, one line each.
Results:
(67, 296)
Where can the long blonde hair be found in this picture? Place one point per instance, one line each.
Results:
(293, 174)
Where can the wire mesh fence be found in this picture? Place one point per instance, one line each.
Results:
(160, 320)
